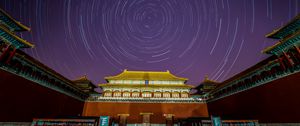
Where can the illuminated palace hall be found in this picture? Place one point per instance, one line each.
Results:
(150, 62)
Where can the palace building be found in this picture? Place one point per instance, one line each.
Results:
(30, 89)
(144, 84)
(266, 93)
(137, 97)
(268, 90)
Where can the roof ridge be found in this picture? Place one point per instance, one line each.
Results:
(146, 75)
(141, 71)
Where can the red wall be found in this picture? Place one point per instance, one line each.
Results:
(22, 100)
(181, 110)
(277, 101)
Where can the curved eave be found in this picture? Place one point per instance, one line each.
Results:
(272, 34)
(210, 82)
(11, 21)
(7, 36)
(286, 30)
(270, 48)
(179, 78)
(284, 43)
(142, 85)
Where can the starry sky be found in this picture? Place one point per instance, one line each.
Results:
(191, 38)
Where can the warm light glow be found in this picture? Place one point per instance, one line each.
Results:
(117, 94)
(166, 95)
(126, 94)
(135, 94)
(157, 94)
(147, 94)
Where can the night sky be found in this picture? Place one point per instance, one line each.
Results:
(191, 38)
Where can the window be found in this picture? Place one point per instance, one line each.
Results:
(184, 95)
(157, 82)
(126, 94)
(166, 95)
(118, 81)
(136, 82)
(152, 82)
(107, 94)
(157, 94)
(117, 94)
(127, 81)
(175, 95)
(135, 94)
(147, 94)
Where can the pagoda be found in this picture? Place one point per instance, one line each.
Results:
(145, 86)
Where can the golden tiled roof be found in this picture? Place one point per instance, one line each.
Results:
(150, 85)
(275, 32)
(146, 75)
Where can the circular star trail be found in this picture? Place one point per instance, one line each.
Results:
(191, 38)
(137, 33)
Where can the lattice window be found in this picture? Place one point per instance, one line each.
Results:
(118, 81)
(126, 94)
(135, 94)
(127, 81)
(166, 95)
(157, 94)
(175, 95)
(147, 94)
(184, 95)
(117, 94)
(107, 94)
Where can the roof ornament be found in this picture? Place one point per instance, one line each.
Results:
(206, 77)
(207, 80)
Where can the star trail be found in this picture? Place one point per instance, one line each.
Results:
(191, 38)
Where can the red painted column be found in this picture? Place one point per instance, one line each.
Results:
(281, 63)
(298, 52)
(4, 53)
(297, 49)
(290, 62)
(11, 55)
(2, 46)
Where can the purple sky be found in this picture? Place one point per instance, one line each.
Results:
(190, 38)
